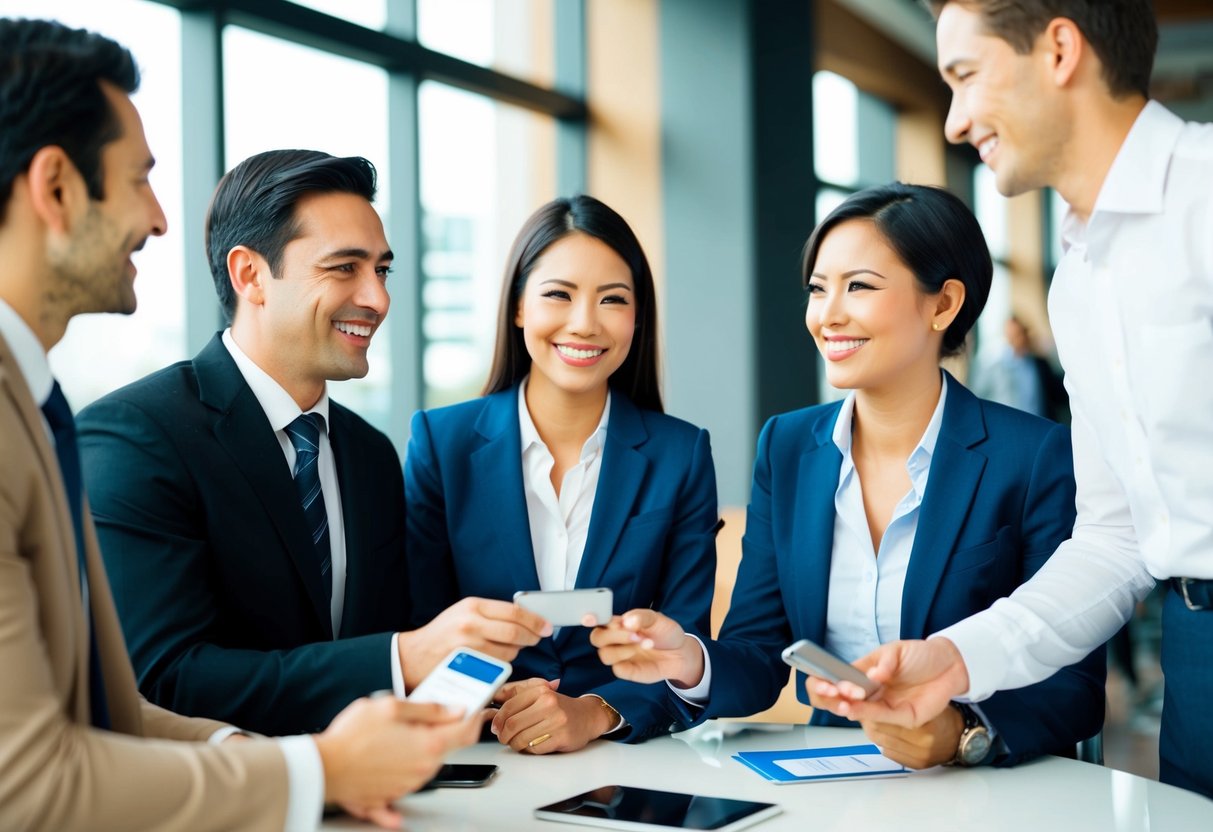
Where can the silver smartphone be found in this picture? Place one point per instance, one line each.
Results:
(464, 679)
(567, 607)
(808, 657)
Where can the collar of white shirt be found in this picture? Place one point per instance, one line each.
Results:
(278, 405)
(1137, 180)
(27, 349)
(530, 434)
(919, 462)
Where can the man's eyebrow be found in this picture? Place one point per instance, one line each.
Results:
(356, 253)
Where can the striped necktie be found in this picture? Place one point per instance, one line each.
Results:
(304, 434)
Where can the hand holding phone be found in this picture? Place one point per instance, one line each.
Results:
(569, 607)
(464, 679)
(814, 660)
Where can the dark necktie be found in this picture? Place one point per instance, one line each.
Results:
(63, 426)
(304, 434)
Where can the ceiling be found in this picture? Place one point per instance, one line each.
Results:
(1183, 67)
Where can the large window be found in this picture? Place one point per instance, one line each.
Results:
(458, 109)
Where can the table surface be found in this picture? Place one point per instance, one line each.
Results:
(1047, 794)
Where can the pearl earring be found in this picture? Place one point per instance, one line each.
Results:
(935, 327)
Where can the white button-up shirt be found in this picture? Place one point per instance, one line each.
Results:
(559, 525)
(1132, 311)
(863, 609)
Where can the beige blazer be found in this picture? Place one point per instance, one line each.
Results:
(56, 771)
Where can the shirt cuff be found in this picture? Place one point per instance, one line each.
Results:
(223, 733)
(305, 783)
(981, 648)
(698, 695)
(397, 669)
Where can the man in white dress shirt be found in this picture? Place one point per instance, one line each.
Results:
(1053, 93)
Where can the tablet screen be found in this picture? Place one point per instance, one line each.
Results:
(628, 807)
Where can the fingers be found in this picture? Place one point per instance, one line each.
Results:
(522, 699)
(534, 625)
(509, 690)
(428, 713)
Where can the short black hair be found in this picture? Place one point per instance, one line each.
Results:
(1123, 33)
(50, 94)
(254, 205)
(933, 233)
(581, 214)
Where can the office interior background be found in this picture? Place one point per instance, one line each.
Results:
(720, 129)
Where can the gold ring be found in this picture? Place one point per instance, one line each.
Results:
(539, 740)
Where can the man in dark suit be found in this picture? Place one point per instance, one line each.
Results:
(79, 748)
(254, 529)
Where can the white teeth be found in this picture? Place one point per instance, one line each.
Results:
(353, 329)
(987, 147)
(843, 346)
(572, 353)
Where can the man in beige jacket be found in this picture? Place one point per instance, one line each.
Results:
(79, 749)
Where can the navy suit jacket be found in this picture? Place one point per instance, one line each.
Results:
(651, 537)
(212, 566)
(999, 500)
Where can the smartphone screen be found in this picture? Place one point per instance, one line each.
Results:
(628, 807)
(465, 679)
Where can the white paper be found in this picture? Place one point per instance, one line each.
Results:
(837, 766)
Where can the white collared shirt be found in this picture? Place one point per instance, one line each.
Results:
(1132, 311)
(281, 410)
(864, 601)
(559, 525)
(305, 770)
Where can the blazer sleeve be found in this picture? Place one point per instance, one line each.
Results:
(684, 594)
(430, 564)
(154, 539)
(747, 672)
(56, 774)
(1050, 716)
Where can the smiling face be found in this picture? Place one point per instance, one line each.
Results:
(869, 317)
(1003, 103)
(314, 320)
(92, 267)
(578, 315)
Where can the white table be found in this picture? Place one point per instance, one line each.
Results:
(1046, 794)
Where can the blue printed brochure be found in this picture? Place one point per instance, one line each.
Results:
(805, 765)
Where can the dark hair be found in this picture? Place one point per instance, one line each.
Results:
(50, 94)
(933, 233)
(581, 214)
(1123, 33)
(255, 202)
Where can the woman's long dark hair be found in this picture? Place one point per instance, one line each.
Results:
(637, 376)
(934, 234)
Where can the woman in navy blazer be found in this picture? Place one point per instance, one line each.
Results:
(607, 490)
(895, 512)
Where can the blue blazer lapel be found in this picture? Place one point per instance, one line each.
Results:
(499, 497)
(243, 430)
(813, 531)
(619, 484)
(956, 472)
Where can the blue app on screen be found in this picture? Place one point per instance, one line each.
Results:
(479, 669)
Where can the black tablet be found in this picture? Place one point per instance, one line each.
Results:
(629, 807)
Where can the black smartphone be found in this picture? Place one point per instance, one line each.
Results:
(462, 776)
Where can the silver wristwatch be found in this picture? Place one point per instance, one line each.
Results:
(975, 740)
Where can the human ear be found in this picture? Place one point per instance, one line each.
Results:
(1064, 47)
(56, 188)
(947, 304)
(246, 269)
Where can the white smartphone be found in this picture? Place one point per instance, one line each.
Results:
(464, 679)
(567, 608)
(806, 656)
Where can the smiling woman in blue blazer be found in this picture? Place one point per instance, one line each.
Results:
(896, 512)
(567, 474)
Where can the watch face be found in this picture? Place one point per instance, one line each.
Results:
(976, 747)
